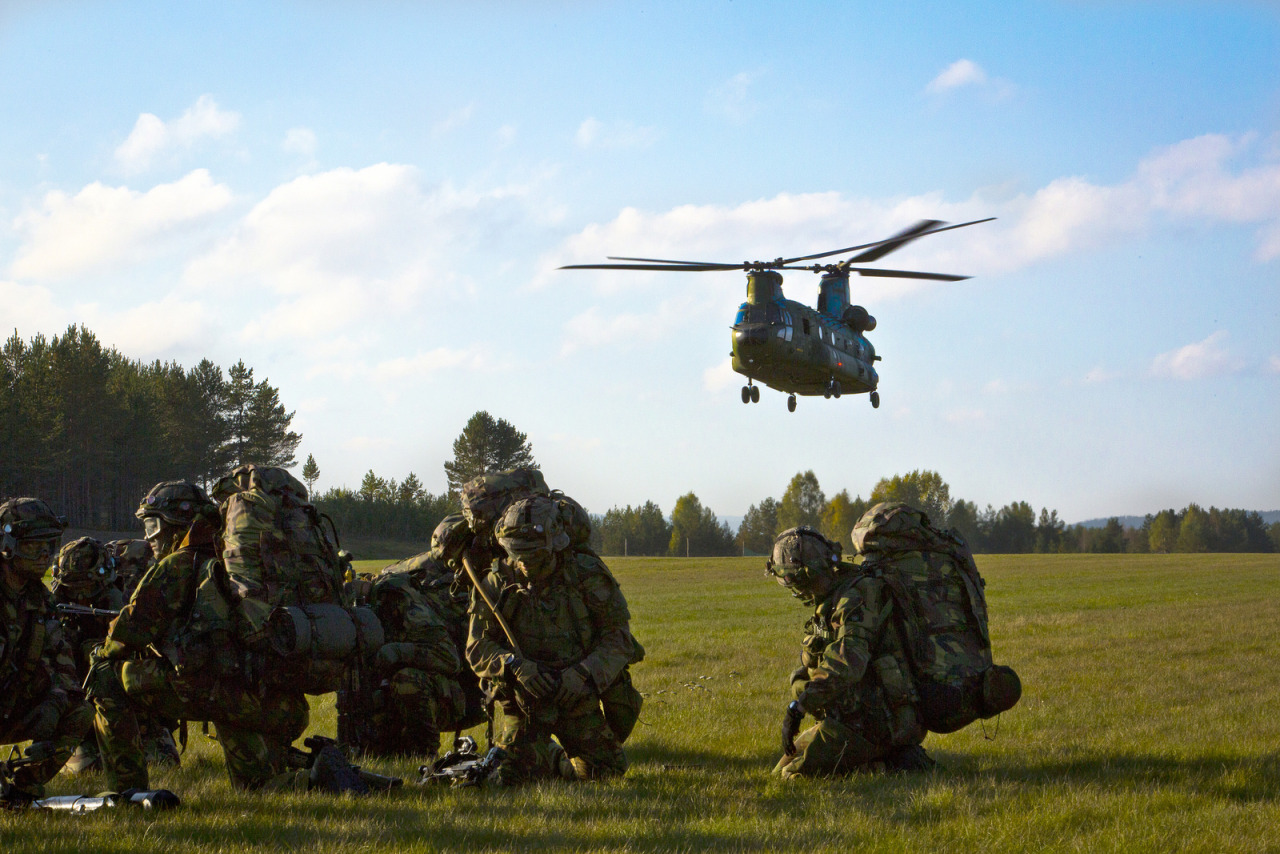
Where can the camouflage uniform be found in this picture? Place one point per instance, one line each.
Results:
(131, 557)
(178, 608)
(40, 695)
(571, 624)
(854, 675)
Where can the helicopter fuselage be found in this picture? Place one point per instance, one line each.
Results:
(796, 349)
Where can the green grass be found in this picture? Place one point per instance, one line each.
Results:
(1148, 723)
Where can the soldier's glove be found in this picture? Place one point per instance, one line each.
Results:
(791, 726)
(110, 649)
(574, 687)
(532, 679)
(40, 723)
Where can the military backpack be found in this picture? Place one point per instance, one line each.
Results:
(941, 610)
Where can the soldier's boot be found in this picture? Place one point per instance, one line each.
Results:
(911, 757)
(84, 760)
(331, 772)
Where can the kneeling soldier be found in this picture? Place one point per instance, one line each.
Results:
(40, 695)
(180, 609)
(854, 676)
(549, 639)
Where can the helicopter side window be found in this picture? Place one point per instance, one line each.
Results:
(805, 323)
(773, 314)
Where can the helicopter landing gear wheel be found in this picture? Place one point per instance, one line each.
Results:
(791, 403)
(875, 400)
(746, 395)
(755, 394)
(835, 389)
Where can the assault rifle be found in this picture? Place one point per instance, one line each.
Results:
(85, 611)
(463, 766)
(316, 743)
(13, 799)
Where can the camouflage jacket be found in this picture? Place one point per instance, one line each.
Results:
(576, 616)
(36, 661)
(853, 652)
(415, 623)
(163, 603)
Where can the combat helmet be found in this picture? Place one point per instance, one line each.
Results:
(27, 526)
(84, 564)
(177, 502)
(803, 561)
(451, 537)
(530, 531)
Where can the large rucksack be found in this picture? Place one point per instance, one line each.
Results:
(285, 572)
(941, 610)
(484, 498)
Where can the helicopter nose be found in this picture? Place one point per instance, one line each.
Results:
(751, 335)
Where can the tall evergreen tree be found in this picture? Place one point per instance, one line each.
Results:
(310, 473)
(802, 503)
(486, 445)
(759, 527)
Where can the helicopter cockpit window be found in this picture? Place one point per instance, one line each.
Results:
(773, 314)
(743, 312)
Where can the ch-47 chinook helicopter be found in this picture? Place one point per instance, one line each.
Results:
(788, 345)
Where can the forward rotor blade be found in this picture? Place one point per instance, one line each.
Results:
(899, 240)
(895, 239)
(673, 268)
(669, 261)
(905, 274)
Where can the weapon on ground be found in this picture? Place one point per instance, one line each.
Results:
(12, 798)
(463, 766)
(316, 743)
(85, 610)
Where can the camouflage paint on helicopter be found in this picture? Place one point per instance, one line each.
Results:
(794, 348)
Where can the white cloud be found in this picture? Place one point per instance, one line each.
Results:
(1192, 181)
(102, 226)
(592, 133)
(1273, 365)
(344, 245)
(593, 328)
(458, 118)
(732, 98)
(719, 377)
(300, 141)
(962, 72)
(1207, 358)
(434, 361)
(151, 136)
(1100, 374)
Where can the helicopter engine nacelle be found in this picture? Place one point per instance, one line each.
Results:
(858, 319)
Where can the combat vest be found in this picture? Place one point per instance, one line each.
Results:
(22, 674)
(941, 611)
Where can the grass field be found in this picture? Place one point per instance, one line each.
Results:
(1148, 723)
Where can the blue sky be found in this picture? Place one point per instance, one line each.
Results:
(367, 202)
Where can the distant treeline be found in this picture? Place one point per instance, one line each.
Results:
(91, 431)
(1013, 528)
(385, 509)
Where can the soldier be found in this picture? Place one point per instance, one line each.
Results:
(131, 557)
(550, 637)
(854, 675)
(418, 684)
(85, 575)
(40, 695)
(201, 673)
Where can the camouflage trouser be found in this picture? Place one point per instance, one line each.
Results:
(588, 740)
(74, 722)
(830, 748)
(621, 704)
(410, 710)
(255, 728)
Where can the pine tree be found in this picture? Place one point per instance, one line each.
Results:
(487, 445)
(310, 472)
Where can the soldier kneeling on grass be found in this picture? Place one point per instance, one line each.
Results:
(854, 673)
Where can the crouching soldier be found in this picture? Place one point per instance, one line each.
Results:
(86, 577)
(549, 638)
(200, 673)
(40, 695)
(854, 677)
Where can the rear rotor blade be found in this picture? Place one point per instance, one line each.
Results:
(905, 274)
(902, 238)
(897, 238)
